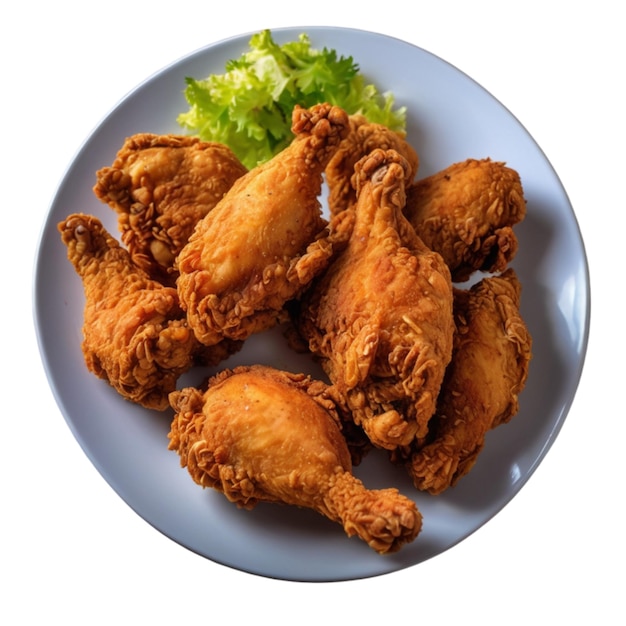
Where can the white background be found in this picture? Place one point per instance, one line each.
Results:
(72, 550)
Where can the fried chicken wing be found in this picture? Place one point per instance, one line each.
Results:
(489, 367)
(260, 434)
(363, 138)
(380, 318)
(266, 239)
(466, 212)
(161, 186)
(135, 334)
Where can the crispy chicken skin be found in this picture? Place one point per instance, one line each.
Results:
(492, 351)
(161, 186)
(380, 318)
(266, 239)
(363, 138)
(260, 434)
(135, 334)
(466, 212)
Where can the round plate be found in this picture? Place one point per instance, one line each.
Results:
(450, 119)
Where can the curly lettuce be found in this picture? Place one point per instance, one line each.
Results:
(249, 106)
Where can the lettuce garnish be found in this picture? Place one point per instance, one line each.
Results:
(249, 107)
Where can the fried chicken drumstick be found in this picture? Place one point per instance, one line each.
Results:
(161, 186)
(492, 351)
(266, 239)
(380, 318)
(260, 434)
(466, 212)
(135, 334)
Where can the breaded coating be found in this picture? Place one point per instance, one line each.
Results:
(266, 239)
(466, 212)
(380, 318)
(161, 186)
(492, 352)
(363, 138)
(135, 335)
(260, 434)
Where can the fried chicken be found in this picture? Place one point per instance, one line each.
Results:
(135, 335)
(266, 239)
(260, 434)
(492, 351)
(161, 186)
(363, 138)
(380, 318)
(466, 212)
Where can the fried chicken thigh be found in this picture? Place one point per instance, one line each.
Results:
(260, 434)
(135, 335)
(380, 318)
(266, 239)
(492, 351)
(466, 212)
(363, 138)
(161, 186)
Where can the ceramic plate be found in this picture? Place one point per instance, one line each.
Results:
(450, 118)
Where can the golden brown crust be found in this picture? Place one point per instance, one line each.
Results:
(261, 434)
(364, 137)
(380, 318)
(135, 334)
(466, 212)
(266, 239)
(161, 186)
(489, 367)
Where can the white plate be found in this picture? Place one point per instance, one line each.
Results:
(450, 118)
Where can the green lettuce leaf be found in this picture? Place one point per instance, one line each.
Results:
(249, 106)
